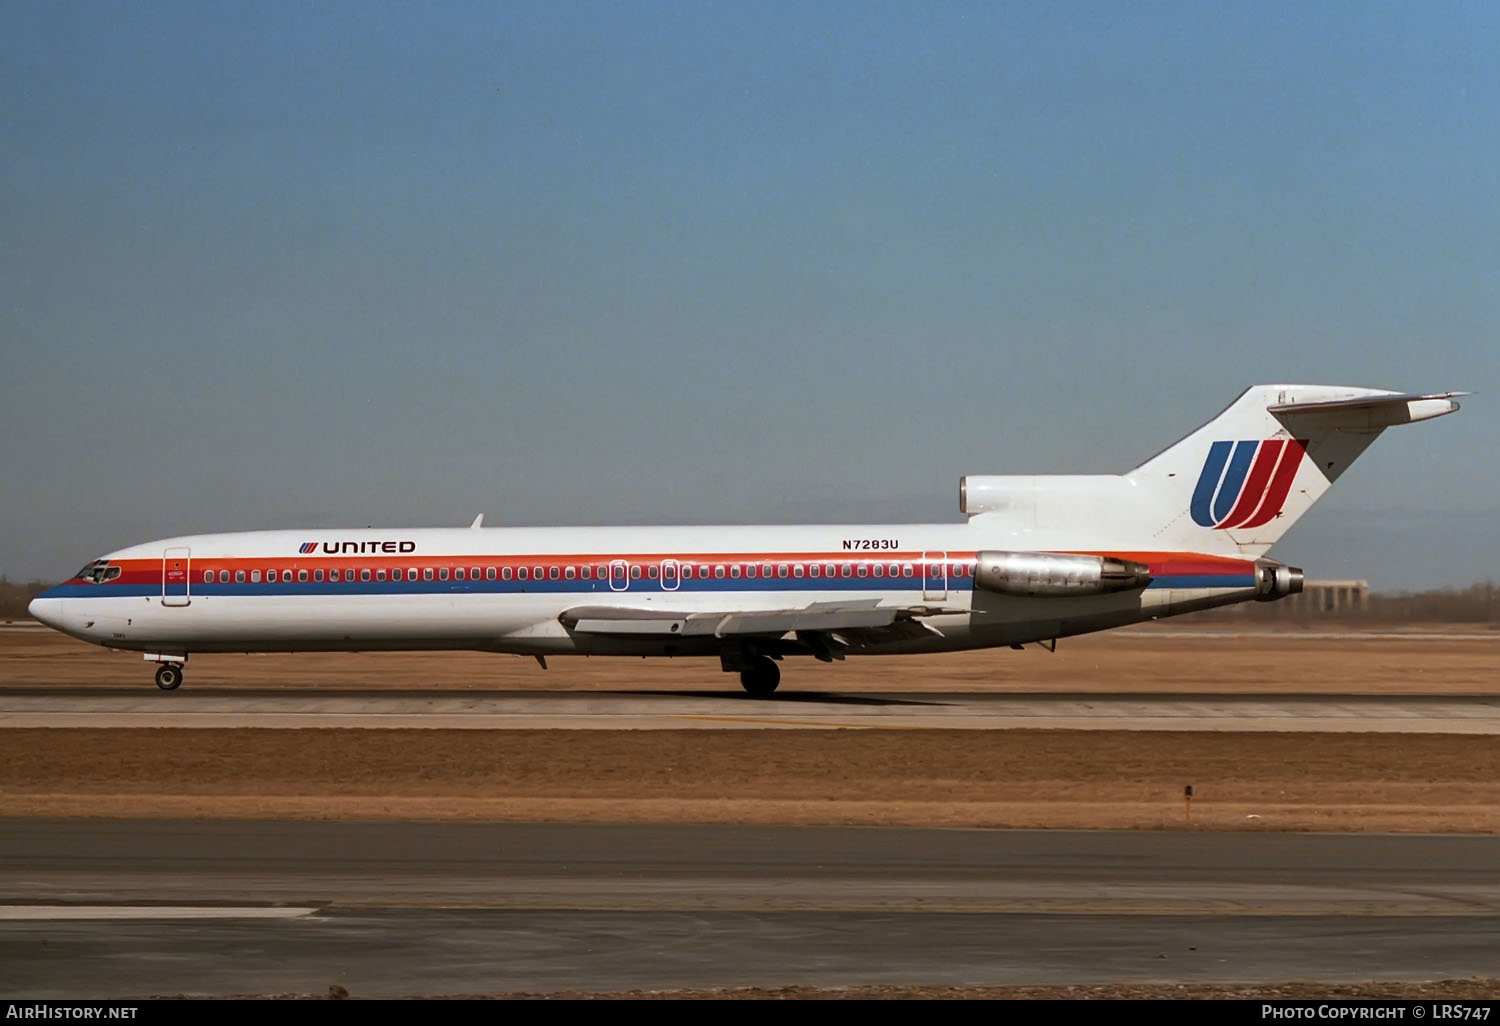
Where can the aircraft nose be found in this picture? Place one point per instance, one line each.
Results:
(47, 610)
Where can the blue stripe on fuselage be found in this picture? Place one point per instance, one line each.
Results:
(563, 587)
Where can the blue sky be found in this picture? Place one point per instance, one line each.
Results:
(300, 265)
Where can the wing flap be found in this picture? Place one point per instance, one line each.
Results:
(840, 620)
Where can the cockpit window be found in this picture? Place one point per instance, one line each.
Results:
(98, 572)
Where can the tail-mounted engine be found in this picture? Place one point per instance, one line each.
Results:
(1275, 580)
(1056, 574)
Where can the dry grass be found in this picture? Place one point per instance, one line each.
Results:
(1025, 778)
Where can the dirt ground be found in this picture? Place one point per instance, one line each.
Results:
(1213, 658)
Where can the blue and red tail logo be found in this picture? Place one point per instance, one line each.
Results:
(307, 547)
(1245, 484)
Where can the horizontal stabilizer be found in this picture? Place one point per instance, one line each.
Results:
(1380, 411)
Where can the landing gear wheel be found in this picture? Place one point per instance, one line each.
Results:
(762, 678)
(169, 676)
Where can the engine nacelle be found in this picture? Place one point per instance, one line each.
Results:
(1057, 574)
(1275, 580)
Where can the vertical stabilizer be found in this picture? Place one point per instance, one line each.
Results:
(1240, 481)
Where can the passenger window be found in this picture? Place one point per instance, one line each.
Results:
(302, 576)
(489, 573)
(271, 576)
(781, 570)
(734, 570)
(505, 573)
(600, 573)
(798, 570)
(669, 572)
(364, 574)
(473, 573)
(427, 573)
(317, 575)
(585, 572)
(765, 569)
(847, 570)
(879, 570)
(239, 577)
(635, 572)
(864, 570)
(814, 570)
(523, 574)
(553, 573)
(333, 575)
(223, 576)
(651, 572)
(254, 576)
(442, 573)
(380, 574)
(719, 571)
(458, 574)
(570, 573)
(906, 570)
(208, 576)
(536, 573)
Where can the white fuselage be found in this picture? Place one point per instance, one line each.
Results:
(507, 589)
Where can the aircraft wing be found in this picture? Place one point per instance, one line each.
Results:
(847, 624)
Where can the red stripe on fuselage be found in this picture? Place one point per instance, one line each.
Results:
(148, 571)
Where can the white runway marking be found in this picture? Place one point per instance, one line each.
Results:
(47, 913)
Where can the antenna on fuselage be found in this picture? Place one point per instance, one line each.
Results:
(478, 521)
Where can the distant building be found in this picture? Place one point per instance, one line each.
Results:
(1328, 597)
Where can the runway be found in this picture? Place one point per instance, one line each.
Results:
(398, 909)
(709, 710)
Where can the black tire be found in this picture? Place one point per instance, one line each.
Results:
(169, 676)
(761, 679)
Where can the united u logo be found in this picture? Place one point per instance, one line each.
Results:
(1245, 484)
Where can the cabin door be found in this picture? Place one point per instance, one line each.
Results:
(176, 568)
(934, 576)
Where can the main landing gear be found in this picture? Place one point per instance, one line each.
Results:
(169, 676)
(761, 677)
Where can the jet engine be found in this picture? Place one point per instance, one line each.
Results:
(1275, 580)
(1057, 574)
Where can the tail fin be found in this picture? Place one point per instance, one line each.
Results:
(1247, 475)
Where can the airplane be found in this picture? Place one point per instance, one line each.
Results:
(1038, 558)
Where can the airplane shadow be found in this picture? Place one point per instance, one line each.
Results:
(793, 697)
